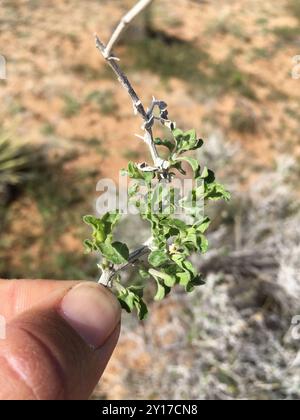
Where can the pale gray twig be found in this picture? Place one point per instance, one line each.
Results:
(138, 107)
(136, 10)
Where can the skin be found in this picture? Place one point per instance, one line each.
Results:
(59, 338)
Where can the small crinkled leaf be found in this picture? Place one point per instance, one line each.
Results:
(99, 231)
(167, 279)
(92, 220)
(189, 266)
(190, 236)
(178, 166)
(89, 246)
(135, 173)
(178, 259)
(117, 252)
(112, 218)
(202, 226)
(162, 290)
(186, 141)
(203, 243)
(132, 298)
(158, 258)
(177, 134)
(184, 278)
(175, 223)
(198, 280)
(144, 274)
(216, 191)
(166, 143)
(192, 162)
(208, 176)
(205, 173)
(199, 143)
(133, 189)
(102, 227)
(141, 308)
(122, 250)
(127, 301)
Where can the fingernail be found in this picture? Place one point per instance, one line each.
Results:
(92, 311)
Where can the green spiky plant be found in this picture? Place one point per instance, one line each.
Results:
(17, 162)
(173, 239)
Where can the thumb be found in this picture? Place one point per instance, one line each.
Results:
(60, 348)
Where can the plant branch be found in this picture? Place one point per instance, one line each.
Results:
(125, 21)
(147, 116)
(137, 105)
(148, 122)
(140, 252)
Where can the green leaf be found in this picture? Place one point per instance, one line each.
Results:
(111, 218)
(158, 258)
(144, 274)
(216, 191)
(133, 189)
(184, 279)
(141, 308)
(203, 225)
(189, 266)
(186, 141)
(207, 175)
(178, 134)
(92, 221)
(102, 227)
(162, 290)
(191, 237)
(192, 162)
(117, 252)
(166, 143)
(122, 250)
(175, 223)
(127, 301)
(89, 246)
(99, 231)
(168, 280)
(135, 173)
(132, 298)
(198, 144)
(198, 280)
(178, 166)
(203, 243)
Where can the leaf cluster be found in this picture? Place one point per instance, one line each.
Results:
(174, 239)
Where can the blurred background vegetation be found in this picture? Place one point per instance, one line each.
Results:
(224, 69)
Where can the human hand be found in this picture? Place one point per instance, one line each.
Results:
(59, 338)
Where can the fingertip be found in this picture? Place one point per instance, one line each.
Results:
(92, 311)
